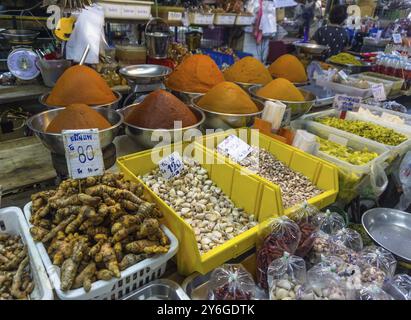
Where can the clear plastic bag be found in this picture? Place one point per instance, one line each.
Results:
(305, 218)
(231, 282)
(321, 247)
(379, 258)
(399, 287)
(285, 276)
(281, 235)
(324, 286)
(329, 222)
(405, 178)
(372, 292)
(349, 238)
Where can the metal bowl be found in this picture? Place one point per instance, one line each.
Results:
(161, 289)
(184, 96)
(352, 68)
(298, 109)
(149, 138)
(112, 105)
(391, 229)
(310, 48)
(218, 120)
(15, 36)
(145, 73)
(54, 141)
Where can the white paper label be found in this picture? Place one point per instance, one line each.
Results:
(378, 36)
(171, 166)
(396, 37)
(378, 92)
(340, 140)
(343, 75)
(346, 103)
(203, 19)
(244, 20)
(234, 147)
(226, 19)
(83, 153)
(284, 3)
(175, 16)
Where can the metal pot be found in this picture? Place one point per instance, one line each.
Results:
(157, 38)
(14, 36)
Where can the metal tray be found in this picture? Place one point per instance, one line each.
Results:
(391, 229)
(162, 289)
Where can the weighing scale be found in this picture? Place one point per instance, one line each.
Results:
(22, 63)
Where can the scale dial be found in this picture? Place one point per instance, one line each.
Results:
(22, 63)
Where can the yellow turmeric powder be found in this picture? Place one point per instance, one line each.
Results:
(289, 67)
(197, 73)
(80, 84)
(280, 89)
(248, 70)
(227, 97)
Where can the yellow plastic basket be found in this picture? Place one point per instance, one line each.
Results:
(247, 192)
(322, 173)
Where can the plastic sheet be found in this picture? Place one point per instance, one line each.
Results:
(399, 287)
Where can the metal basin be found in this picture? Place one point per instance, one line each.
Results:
(391, 229)
(298, 109)
(15, 36)
(162, 289)
(184, 96)
(112, 105)
(54, 141)
(310, 48)
(218, 120)
(149, 138)
(145, 73)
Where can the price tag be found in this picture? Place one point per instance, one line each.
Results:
(378, 92)
(171, 166)
(175, 16)
(378, 35)
(346, 103)
(83, 153)
(284, 3)
(396, 37)
(343, 75)
(340, 140)
(234, 147)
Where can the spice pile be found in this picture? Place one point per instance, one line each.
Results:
(77, 116)
(289, 67)
(159, 110)
(295, 187)
(227, 97)
(280, 89)
(80, 84)
(15, 279)
(248, 70)
(345, 58)
(95, 234)
(204, 206)
(365, 129)
(197, 73)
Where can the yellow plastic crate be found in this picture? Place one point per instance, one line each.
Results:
(322, 173)
(247, 192)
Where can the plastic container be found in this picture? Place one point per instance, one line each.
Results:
(246, 191)
(131, 279)
(397, 83)
(395, 150)
(344, 89)
(387, 84)
(323, 174)
(51, 70)
(378, 111)
(12, 222)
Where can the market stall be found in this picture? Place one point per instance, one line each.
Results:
(205, 172)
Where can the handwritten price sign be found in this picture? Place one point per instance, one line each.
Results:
(171, 166)
(346, 103)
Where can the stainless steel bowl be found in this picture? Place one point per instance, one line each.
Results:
(15, 36)
(310, 48)
(351, 68)
(245, 85)
(145, 73)
(184, 96)
(218, 120)
(113, 105)
(391, 229)
(162, 289)
(54, 141)
(298, 109)
(149, 138)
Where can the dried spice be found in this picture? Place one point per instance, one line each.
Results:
(280, 89)
(289, 67)
(248, 70)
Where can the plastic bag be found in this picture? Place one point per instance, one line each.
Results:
(285, 276)
(231, 282)
(329, 222)
(399, 287)
(324, 286)
(281, 235)
(305, 218)
(305, 141)
(372, 292)
(349, 238)
(379, 258)
(405, 178)
(321, 247)
(378, 179)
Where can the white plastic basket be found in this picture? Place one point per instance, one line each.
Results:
(131, 279)
(13, 222)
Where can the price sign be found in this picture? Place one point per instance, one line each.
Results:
(284, 3)
(171, 166)
(343, 75)
(234, 147)
(346, 103)
(340, 140)
(175, 16)
(83, 153)
(396, 37)
(378, 92)
(378, 35)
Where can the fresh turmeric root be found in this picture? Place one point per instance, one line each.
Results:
(146, 246)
